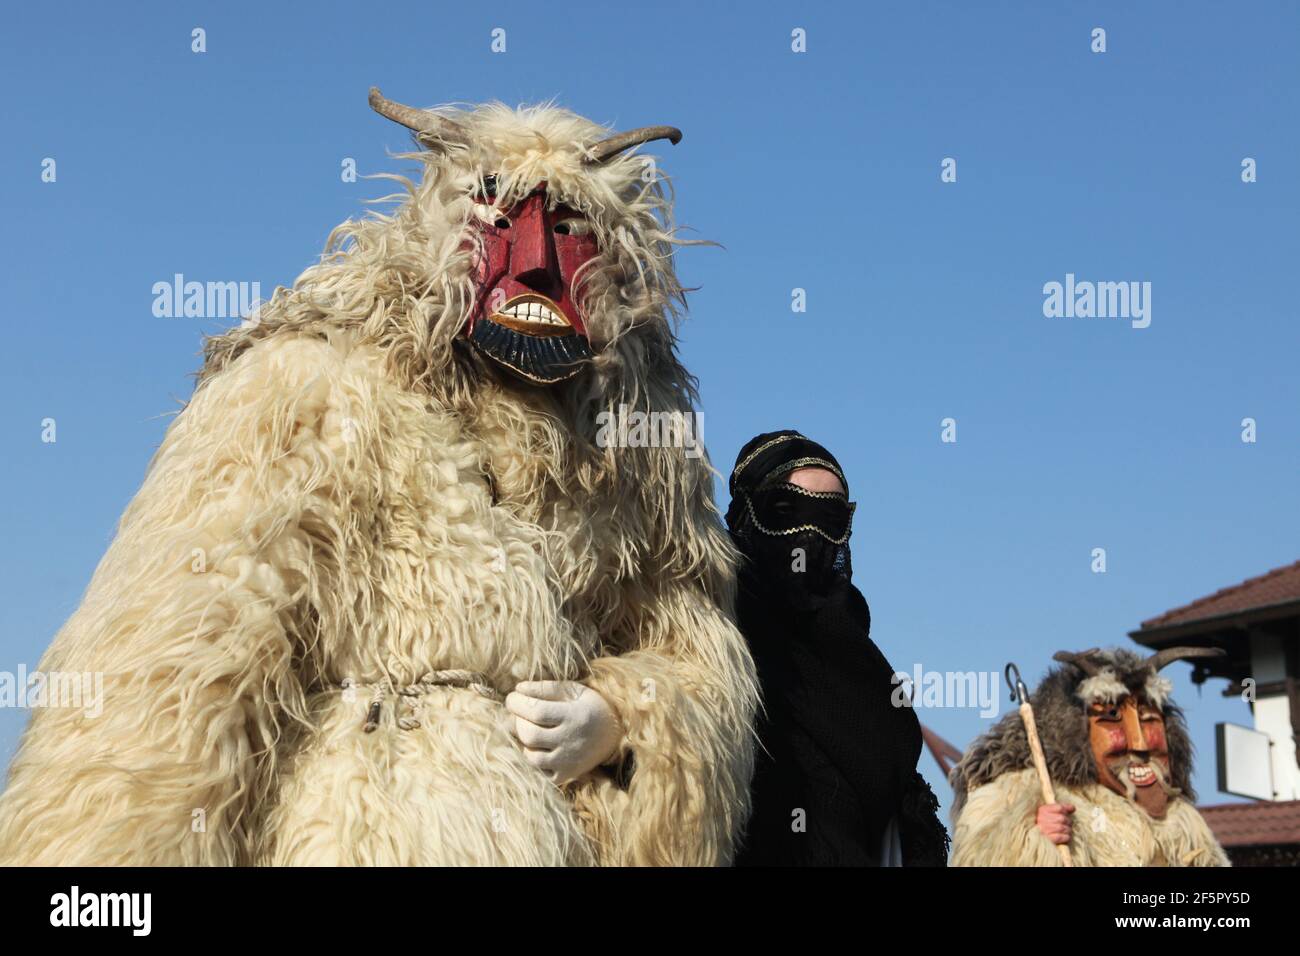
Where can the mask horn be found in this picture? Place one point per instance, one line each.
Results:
(1170, 654)
(429, 128)
(1082, 660)
(611, 146)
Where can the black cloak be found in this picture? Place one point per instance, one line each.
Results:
(837, 758)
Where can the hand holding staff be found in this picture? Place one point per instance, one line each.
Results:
(1019, 693)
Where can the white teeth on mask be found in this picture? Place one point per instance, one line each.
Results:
(535, 313)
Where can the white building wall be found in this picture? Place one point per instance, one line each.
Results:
(1273, 714)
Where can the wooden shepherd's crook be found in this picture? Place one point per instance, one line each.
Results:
(1019, 693)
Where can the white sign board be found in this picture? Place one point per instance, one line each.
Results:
(1245, 764)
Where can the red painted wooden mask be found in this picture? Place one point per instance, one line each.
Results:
(526, 315)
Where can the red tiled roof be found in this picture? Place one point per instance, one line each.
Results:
(1276, 587)
(1254, 824)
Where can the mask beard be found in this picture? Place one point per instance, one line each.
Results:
(540, 360)
(1153, 798)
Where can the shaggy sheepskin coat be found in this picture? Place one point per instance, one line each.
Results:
(997, 827)
(352, 500)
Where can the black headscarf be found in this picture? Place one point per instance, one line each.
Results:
(835, 745)
(799, 538)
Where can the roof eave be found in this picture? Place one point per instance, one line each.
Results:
(1162, 635)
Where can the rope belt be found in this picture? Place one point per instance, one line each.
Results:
(470, 680)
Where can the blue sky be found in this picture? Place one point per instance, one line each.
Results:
(817, 171)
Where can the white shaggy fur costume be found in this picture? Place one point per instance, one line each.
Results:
(997, 827)
(352, 497)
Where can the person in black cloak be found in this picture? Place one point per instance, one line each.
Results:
(836, 781)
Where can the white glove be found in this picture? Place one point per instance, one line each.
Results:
(567, 729)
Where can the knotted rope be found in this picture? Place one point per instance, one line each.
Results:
(469, 680)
